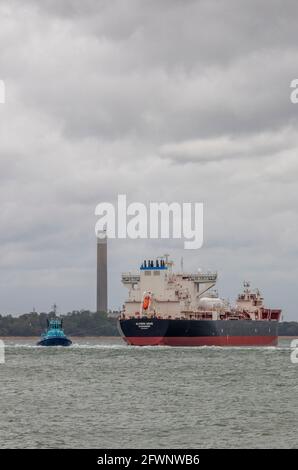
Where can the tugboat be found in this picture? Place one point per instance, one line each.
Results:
(54, 334)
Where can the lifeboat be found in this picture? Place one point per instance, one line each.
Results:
(146, 302)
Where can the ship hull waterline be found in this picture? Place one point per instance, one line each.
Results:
(173, 332)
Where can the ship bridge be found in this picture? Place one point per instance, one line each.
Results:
(147, 266)
(130, 278)
(201, 277)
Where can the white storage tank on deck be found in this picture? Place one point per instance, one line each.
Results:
(211, 303)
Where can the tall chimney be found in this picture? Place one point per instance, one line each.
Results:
(102, 273)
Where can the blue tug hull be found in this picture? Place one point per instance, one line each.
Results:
(54, 342)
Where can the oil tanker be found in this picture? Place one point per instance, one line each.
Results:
(182, 309)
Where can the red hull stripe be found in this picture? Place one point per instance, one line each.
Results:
(202, 340)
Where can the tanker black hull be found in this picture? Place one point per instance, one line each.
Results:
(171, 332)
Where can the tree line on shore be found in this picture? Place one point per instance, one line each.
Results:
(76, 323)
(288, 328)
(83, 323)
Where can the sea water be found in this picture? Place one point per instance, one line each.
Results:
(100, 393)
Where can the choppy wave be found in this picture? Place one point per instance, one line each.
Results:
(154, 396)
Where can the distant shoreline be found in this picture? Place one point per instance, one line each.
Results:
(72, 337)
(288, 337)
(99, 337)
(84, 324)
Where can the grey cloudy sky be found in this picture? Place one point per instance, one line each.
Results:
(173, 100)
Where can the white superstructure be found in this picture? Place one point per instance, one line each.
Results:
(169, 294)
(156, 291)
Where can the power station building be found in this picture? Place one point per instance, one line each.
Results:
(102, 273)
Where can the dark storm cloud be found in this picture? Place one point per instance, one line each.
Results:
(182, 70)
(172, 100)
